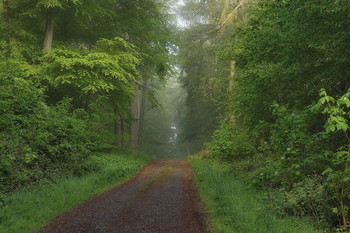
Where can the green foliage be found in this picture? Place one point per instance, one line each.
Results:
(309, 197)
(235, 208)
(45, 133)
(106, 70)
(283, 55)
(289, 141)
(59, 106)
(338, 173)
(50, 3)
(285, 52)
(336, 109)
(37, 139)
(229, 143)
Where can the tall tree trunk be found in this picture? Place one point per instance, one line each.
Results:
(49, 29)
(135, 123)
(9, 25)
(142, 111)
(212, 10)
(231, 77)
(230, 86)
(118, 127)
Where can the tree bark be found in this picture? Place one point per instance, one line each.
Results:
(49, 30)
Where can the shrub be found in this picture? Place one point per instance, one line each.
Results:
(37, 140)
(230, 143)
(310, 197)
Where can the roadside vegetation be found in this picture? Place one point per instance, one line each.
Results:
(234, 207)
(28, 209)
(268, 93)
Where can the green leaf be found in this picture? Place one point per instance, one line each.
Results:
(323, 92)
(342, 126)
(330, 127)
(50, 3)
(327, 171)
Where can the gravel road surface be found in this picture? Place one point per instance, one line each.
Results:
(160, 198)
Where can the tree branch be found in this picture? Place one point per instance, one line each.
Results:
(229, 16)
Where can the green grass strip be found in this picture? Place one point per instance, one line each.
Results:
(28, 210)
(232, 207)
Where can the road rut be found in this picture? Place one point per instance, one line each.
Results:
(160, 198)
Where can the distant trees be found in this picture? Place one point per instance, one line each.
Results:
(205, 68)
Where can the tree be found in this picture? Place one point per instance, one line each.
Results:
(59, 105)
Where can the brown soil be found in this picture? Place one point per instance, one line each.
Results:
(161, 198)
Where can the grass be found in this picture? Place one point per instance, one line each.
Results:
(28, 210)
(233, 207)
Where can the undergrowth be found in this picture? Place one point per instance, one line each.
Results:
(29, 209)
(235, 208)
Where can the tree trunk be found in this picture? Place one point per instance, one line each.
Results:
(231, 77)
(142, 111)
(117, 127)
(9, 25)
(212, 9)
(230, 86)
(49, 30)
(135, 123)
(343, 211)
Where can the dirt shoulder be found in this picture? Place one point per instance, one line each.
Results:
(160, 198)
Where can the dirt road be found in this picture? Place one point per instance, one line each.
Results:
(161, 198)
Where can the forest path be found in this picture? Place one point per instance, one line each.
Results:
(160, 198)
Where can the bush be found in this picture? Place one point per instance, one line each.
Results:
(230, 143)
(310, 197)
(37, 140)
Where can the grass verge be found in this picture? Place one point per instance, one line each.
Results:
(29, 209)
(232, 207)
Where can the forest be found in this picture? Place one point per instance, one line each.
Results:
(255, 94)
(73, 77)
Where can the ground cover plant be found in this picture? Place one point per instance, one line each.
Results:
(29, 209)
